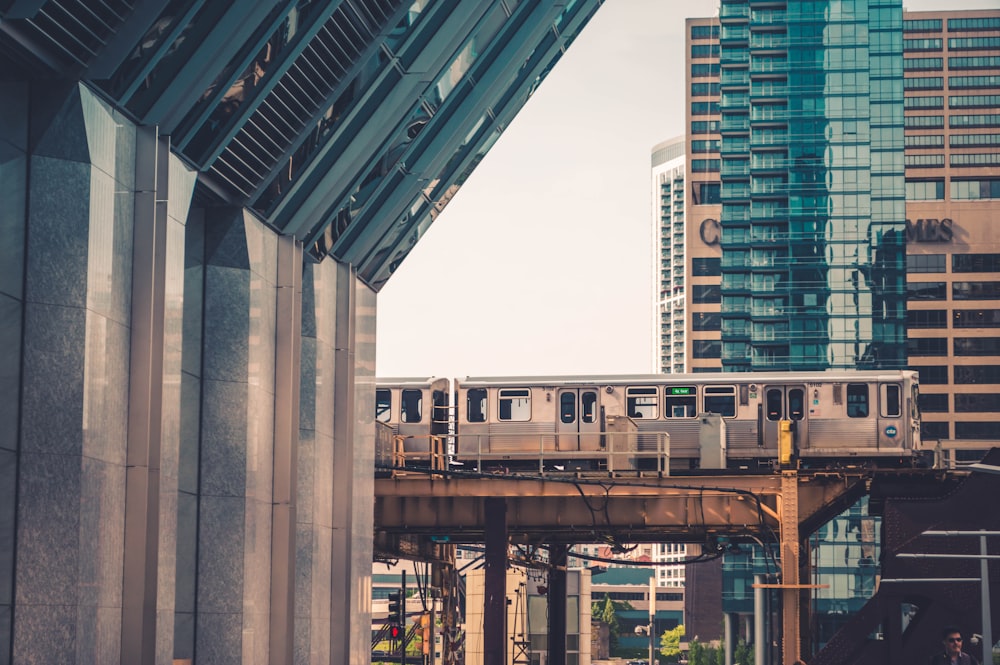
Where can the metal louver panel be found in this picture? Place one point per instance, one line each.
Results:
(302, 93)
(77, 30)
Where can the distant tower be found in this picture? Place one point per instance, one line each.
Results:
(669, 256)
(813, 209)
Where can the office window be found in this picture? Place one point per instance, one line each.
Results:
(976, 120)
(923, 83)
(973, 43)
(705, 293)
(977, 346)
(975, 374)
(704, 126)
(922, 25)
(973, 24)
(926, 263)
(973, 140)
(981, 430)
(932, 375)
(923, 121)
(975, 263)
(930, 431)
(931, 403)
(706, 267)
(974, 62)
(704, 50)
(925, 190)
(705, 145)
(979, 159)
(969, 101)
(706, 348)
(928, 44)
(710, 192)
(977, 403)
(924, 140)
(704, 32)
(988, 188)
(975, 290)
(976, 318)
(706, 321)
(705, 165)
(927, 346)
(707, 89)
(959, 82)
(927, 318)
(702, 70)
(929, 102)
(926, 291)
(923, 161)
(704, 108)
(926, 64)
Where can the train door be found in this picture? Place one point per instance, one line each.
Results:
(578, 426)
(785, 403)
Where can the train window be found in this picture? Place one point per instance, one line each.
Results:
(641, 403)
(411, 406)
(721, 400)
(567, 407)
(515, 404)
(383, 405)
(796, 403)
(891, 402)
(773, 403)
(588, 407)
(680, 402)
(857, 400)
(475, 400)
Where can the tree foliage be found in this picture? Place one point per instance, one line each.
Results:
(670, 641)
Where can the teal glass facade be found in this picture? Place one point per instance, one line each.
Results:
(813, 231)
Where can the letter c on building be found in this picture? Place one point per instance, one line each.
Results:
(710, 231)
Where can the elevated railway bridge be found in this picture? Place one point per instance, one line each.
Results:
(424, 513)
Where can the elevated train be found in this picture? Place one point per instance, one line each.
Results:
(673, 422)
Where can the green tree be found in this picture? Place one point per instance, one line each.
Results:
(696, 653)
(607, 610)
(743, 655)
(670, 641)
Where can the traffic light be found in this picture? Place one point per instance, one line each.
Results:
(396, 612)
(395, 631)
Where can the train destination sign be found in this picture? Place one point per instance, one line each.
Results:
(678, 390)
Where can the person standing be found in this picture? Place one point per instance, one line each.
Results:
(951, 639)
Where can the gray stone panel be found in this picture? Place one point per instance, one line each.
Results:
(45, 634)
(227, 324)
(8, 483)
(194, 284)
(10, 371)
(220, 638)
(190, 425)
(106, 379)
(13, 213)
(221, 549)
(224, 439)
(101, 533)
(14, 114)
(58, 233)
(52, 385)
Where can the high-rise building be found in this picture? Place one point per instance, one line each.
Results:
(813, 231)
(952, 84)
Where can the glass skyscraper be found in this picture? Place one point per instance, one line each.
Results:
(813, 207)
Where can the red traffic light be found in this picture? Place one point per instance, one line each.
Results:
(395, 632)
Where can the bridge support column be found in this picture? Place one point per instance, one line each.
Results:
(558, 556)
(790, 588)
(495, 583)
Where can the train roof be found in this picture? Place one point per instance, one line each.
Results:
(711, 378)
(408, 380)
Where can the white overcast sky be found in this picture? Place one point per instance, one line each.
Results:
(542, 263)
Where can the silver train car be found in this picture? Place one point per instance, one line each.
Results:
(417, 412)
(683, 422)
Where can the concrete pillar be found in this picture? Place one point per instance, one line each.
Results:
(495, 604)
